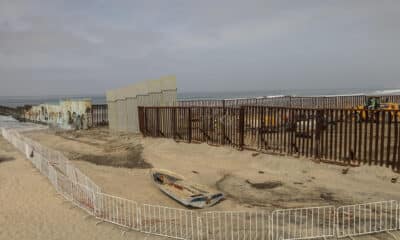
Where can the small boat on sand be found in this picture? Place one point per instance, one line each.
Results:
(188, 194)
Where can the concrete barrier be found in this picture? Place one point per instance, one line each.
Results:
(123, 103)
(66, 114)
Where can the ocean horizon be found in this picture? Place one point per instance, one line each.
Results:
(15, 101)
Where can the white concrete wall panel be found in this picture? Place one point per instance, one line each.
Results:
(123, 102)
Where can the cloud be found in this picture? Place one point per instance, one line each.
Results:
(210, 45)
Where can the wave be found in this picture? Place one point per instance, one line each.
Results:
(387, 92)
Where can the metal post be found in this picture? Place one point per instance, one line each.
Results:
(157, 122)
(223, 122)
(173, 116)
(241, 128)
(92, 116)
(318, 130)
(146, 130)
(189, 125)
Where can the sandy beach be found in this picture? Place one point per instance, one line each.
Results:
(30, 208)
(199, 120)
(247, 178)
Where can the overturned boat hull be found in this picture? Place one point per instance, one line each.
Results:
(188, 194)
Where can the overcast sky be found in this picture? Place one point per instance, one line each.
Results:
(86, 47)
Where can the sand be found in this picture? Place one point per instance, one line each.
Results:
(34, 210)
(31, 209)
(248, 179)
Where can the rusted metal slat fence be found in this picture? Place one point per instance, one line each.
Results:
(99, 115)
(289, 101)
(213, 125)
(345, 136)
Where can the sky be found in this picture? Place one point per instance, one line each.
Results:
(52, 47)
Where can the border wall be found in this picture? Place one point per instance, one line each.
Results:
(99, 115)
(17, 112)
(343, 136)
(343, 101)
(123, 103)
(67, 114)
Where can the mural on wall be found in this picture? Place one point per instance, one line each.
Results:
(67, 114)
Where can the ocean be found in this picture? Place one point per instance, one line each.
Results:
(9, 122)
(14, 101)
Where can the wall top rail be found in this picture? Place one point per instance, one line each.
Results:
(272, 107)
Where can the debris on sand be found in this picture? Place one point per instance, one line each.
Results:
(345, 170)
(327, 196)
(394, 179)
(261, 172)
(265, 185)
(195, 172)
(187, 193)
(255, 154)
(6, 159)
